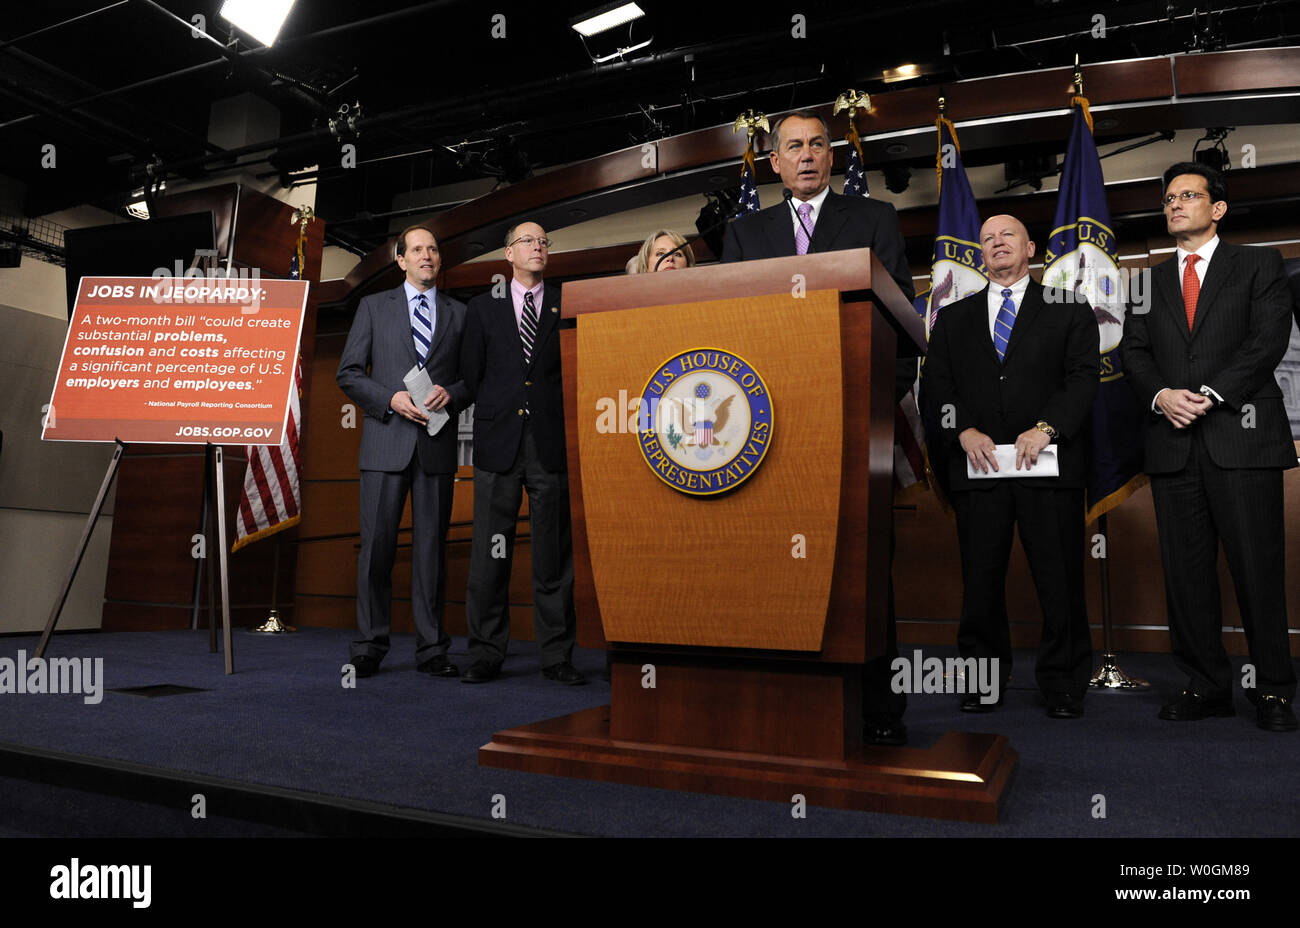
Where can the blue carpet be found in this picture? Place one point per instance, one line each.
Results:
(405, 739)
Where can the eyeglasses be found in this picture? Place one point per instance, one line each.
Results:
(528, 241)
(1186, 196)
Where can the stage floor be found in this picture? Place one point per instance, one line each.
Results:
(407, 744)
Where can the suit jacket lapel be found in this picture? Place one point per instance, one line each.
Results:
(1030, 306)
(780, 231)
(1171, 294)
(402, 320)
(1216, 274)
(442, 315)
(546, 323)
(828, 224)
(980, 334)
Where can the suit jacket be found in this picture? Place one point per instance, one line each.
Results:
(1240, 333)
(844, 222)
(501, 388)
(1051, 373)
(379, 351)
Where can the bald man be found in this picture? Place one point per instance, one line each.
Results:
(1016, 364)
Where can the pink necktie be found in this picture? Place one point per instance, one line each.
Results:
(800, 235)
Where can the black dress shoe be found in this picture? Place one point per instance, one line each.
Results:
(439, 666)
(564, 672)
(973, 702)
(1191, 708)
(480, 672)
(1063, 706)
(1273, 713)
(885, 731)
(364, 665)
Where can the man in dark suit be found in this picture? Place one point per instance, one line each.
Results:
(1017, 364)
(1201, 357)
(391, 333)
(813, 220)
(511, 363)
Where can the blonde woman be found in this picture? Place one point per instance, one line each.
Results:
(657, 253)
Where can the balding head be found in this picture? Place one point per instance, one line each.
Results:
(1006, 247)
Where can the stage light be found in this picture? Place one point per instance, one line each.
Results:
(904, 72)
(261, 19)
(602, 19)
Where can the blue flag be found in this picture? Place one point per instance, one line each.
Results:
(956, 265)
(1082, 258)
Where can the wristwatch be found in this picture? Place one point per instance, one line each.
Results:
(1045, 429)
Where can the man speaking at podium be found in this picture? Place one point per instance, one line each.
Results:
(814, 219)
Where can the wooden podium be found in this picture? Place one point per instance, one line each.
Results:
(738, 614)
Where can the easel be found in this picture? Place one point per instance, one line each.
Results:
(213, 483)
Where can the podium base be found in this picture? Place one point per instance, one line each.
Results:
(963, 777)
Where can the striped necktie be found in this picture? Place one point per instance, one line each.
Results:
(528, 326)
(421, 330)
(1003, 324)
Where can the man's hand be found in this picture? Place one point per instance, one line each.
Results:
(404, 406)
(437, 398)
(1182, 407)
(979, 449)
(1028, 444)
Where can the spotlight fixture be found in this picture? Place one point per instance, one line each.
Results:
(604, 18)
(261, 19)
(1216, 154)
(897, 177)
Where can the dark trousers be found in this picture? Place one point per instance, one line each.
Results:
(1051, 528)
(496, 512)
(383, 496)
(1195, 508)
(879, 701)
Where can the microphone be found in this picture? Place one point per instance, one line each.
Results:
(789, 199)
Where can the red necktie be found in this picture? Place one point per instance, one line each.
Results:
(1191, 289)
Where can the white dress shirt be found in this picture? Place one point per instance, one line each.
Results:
(816, 203)
(995, 299)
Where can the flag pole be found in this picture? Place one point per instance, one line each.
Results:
(1109, 675)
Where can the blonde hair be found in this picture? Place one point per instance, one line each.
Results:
(644, 264)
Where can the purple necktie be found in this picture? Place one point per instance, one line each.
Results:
(800, 235)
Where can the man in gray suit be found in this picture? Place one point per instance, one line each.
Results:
(393, 332)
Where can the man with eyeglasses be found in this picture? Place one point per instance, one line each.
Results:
(391, 333)
(1201, 357)
(510, 360)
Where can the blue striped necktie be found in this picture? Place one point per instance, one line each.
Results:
(528, 326)
(420, 329)
(1003, 324)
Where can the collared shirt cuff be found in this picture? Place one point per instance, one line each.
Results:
(1156, 397)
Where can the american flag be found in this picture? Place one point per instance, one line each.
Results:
(855, 173)
(909, 433)
(748, 186)
(271, 501)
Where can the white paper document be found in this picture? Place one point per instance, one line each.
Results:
(1048, 465)
(420, 386)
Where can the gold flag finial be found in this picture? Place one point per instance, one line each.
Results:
(852, 101)
(750, 121)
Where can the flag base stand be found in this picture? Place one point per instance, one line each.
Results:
(273, 625)
(1109, 676)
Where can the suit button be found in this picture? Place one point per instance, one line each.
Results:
(1002, 377)
(528, 383)
(519, 411)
